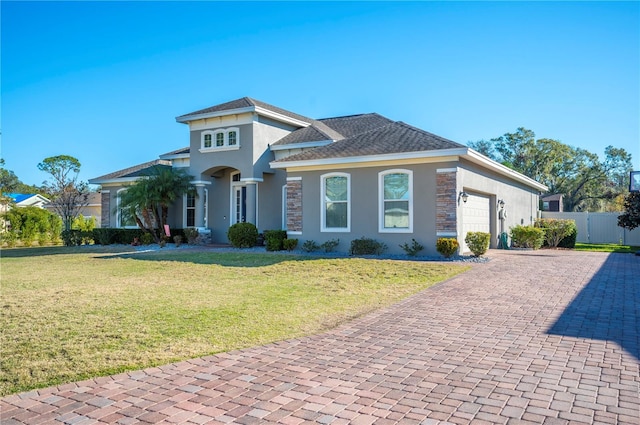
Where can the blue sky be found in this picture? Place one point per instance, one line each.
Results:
(104, 81)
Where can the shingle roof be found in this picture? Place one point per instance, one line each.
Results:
(246, 102)
(336, 128)
(353, 125)
(177, 152)
(396, 137)
(317, 131)
(139, 170)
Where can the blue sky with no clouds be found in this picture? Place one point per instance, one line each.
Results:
(104, 81)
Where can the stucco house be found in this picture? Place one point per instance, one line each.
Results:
(334, 178)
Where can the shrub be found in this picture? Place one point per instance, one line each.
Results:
(191, 234)
(569, 241)
(330, 245)
(273, 239)
(555, 230)
(10, 238)
(527, 236)
(413, 249)
(146, 238)
(72, 237)
(290, 244)
(310, 246)
(478, 242)
(243, 235)
(367, 246)
(104, 236)
(177, 239)
(447, 246)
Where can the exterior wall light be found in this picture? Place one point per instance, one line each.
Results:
(464, 196)
(500, 204)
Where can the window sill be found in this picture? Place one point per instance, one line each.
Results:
(219, 149)
(335, 230)
(395, 230)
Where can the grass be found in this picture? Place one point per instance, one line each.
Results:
(69, 314)
(607, 247)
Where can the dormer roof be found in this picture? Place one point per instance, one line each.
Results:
(247, 104)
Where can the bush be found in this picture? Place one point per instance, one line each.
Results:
(413, 249)
(527, 237)
(569, 241)
(243, 235)
(555, 230)
(447, 246)
(177, 239)
(191, 234)
(478, 242)
(10, 238)
(146, 238)
(367, 246)
(273, 239)
(72, 237)
(310, 246)
(290, 244)
(104, 236)
(330, 245)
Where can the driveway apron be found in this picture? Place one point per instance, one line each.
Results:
(529, 337)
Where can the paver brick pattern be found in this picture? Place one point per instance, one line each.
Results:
(486, 347)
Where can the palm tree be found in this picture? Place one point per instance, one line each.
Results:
(148, 199)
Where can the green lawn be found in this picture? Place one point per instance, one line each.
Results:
(606, 247)
(73, 313)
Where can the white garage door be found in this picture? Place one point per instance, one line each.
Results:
(475, 216)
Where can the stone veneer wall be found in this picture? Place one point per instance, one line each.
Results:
(294, 205)
(446, 208)
(105, 209)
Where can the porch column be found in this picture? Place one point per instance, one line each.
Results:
(199, 211)
(251, 202)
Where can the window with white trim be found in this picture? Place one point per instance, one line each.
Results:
(189, 202)
(395, 201)
(336, 202)
(220, 139)
(190, 209)
(124, 217)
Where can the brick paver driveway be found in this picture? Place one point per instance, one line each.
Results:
(530, 337)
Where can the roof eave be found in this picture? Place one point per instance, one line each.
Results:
(185, 119)
(369, 158)
(115, 180)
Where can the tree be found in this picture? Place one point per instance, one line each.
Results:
(147, 201)
(68, 195)
(8, 180)
(631, 217)
(585, 181)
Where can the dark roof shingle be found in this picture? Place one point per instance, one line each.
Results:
(396, 137)
(145, 169)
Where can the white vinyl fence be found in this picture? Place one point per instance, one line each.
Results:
(598, 227)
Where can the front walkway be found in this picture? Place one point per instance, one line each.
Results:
(528, 338)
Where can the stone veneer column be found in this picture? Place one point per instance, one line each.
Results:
(446, 208)
(294, 204)
(105, 208)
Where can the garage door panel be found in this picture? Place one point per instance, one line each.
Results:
(475, 216)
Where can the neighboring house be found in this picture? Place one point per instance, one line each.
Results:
(28, 200)
(552, 203)
(92, 209)
(334, 178)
